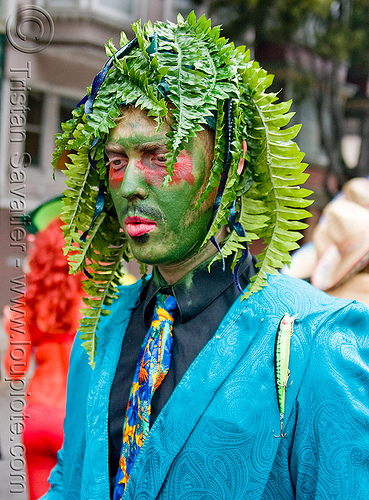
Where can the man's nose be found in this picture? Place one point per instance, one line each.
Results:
(133, 185)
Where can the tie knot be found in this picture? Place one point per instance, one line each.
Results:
(166, 302)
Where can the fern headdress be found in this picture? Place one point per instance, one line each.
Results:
(206, 80)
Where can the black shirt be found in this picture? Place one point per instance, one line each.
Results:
(203, 300)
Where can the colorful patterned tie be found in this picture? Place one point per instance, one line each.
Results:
(152, 366)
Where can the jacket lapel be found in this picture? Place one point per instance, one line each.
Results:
(110, 336)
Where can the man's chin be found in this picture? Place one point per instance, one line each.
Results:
(140, 240)
(142, 249)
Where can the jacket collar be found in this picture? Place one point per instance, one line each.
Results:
(199, 288)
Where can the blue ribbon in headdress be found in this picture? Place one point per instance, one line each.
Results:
(99, 207)
(238, 227)
(226, 165)
(100, 78)
(90, 159)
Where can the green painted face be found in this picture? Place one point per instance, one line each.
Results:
(160, 223)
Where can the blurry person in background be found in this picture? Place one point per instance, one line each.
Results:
(337, 259)
(51, 304)
(342, 269)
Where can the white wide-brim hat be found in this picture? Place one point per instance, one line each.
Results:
(304, 259)
(357, 190)
(303, 262)
(347, 225)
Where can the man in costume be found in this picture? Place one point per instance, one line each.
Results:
(182, 158)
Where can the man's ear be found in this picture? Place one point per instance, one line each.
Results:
(241, 163)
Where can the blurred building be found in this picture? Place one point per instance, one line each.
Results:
(2, 42)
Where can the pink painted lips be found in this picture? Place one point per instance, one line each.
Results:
(137, 226)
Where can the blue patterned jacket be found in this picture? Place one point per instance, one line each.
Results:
(214, 438)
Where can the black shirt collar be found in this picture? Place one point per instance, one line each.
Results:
(197, 289)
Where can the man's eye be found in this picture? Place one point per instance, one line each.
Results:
(159, 160)
(117, 162)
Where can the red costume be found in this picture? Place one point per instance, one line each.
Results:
(51, 307)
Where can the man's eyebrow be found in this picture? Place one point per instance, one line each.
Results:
(113, 147)
(152, 146)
